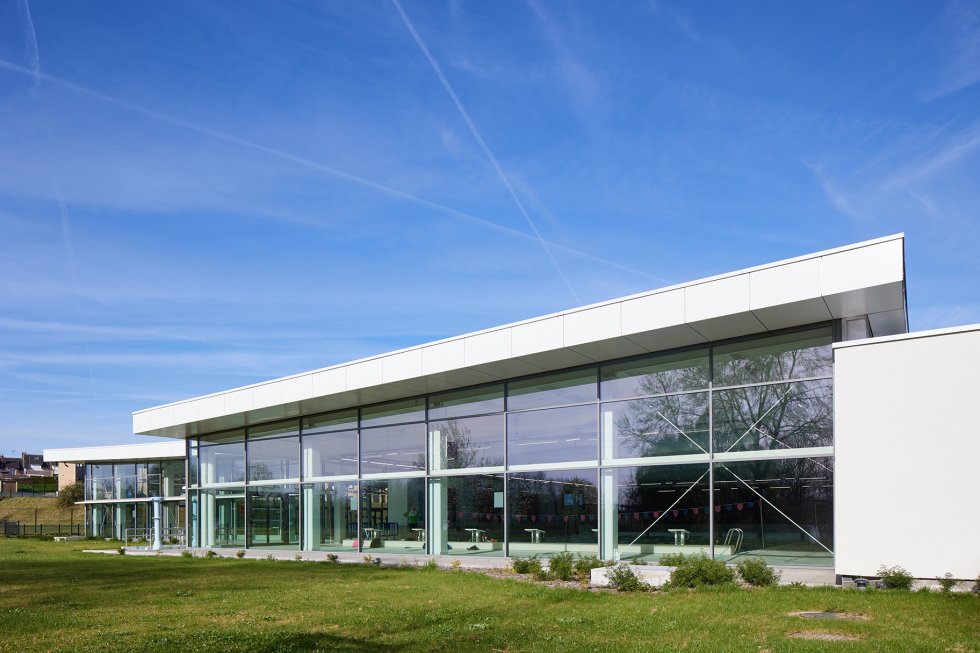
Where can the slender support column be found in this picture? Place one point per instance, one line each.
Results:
(157, 526)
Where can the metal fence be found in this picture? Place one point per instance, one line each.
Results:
(18, 529)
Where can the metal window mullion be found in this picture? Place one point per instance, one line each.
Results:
(711, 473)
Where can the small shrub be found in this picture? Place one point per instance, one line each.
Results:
(432, 565)
(186, 554)
(368, 559)
(976, 586)
(584, 566)
(562, 565)
(122, 550)
(270, 557)
(298, 557)
(240, 554)
(71, 494)
(700, 570)
(455, 564)
(756, 572)
(672, 559)
(211, 554)
(526, 565)
(623, 579)
(333, 558)
(946, 583)
(895, 578)
(543, 574)
(376, 562)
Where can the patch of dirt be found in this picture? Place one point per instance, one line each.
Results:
(822, 636)
(830, 615)
(528, 578)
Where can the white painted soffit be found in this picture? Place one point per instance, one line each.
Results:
(136, 452)
(860, 279)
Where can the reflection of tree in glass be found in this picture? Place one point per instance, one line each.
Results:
(781, 416)
(461, 449)
(664, 425)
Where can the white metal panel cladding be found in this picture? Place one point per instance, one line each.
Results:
(906, 453)
(857, 279)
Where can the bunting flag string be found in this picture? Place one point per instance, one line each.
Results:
(628, 516)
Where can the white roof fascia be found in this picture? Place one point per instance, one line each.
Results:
(136, 452)
(867, 277)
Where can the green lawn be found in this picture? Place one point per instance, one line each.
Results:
(55, 598)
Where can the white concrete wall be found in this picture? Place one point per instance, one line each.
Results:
(907, 437)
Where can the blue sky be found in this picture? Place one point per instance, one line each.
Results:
(201, 195)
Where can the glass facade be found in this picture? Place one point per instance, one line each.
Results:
(118, 498)
(724, 448)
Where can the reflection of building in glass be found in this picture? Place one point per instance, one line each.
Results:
(699, 418)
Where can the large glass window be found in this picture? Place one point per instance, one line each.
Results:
(795, 355)
(224, 437)
(650, 511)
(778, 510)
(467, 515)
(774, 417)
(656, 375)
(273, 459)
(552, 512)
(467, 443)
(193, 461)
(274, 430)
(655, 426)
(332, 453)
(223, 517)
(393, 515)
(571, 387)
(344, 420)
(393, 449)
(172, 478)
(555, 435)
(471, 401)
(222, 463)
(273, 516)
(394, 412)
(330, 516)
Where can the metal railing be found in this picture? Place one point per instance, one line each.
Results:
(18, 529)
(167, 535)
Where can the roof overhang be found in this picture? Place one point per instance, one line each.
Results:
(866, 278)
(116, 453)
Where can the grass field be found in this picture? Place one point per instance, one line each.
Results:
(55, 598)
(22, 509)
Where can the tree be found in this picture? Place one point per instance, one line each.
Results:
(71, 494)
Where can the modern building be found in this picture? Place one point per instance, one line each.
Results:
(780, 412)
(120, 483)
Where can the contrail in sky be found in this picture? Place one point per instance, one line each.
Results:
(311, 164)
(483, 145)
(34, 66)
(30, 41)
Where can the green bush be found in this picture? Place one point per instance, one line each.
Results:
(755, 571)
(333, 558)
(976, 586)
(240, 554)
(71, 494)
(699, 570)
(543, 574)
(895, 578)
(672, 559)
(186, 554)
(946, 582)
(526, 565)
(562, 565)
(122, 550)
(623, 579)
(584, 566)
(431, 565)
(211, 554)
